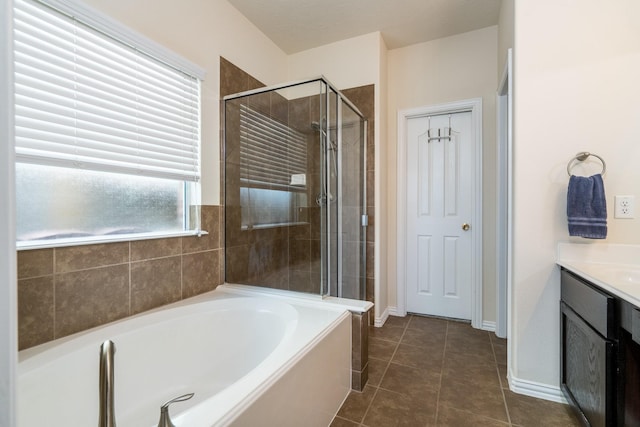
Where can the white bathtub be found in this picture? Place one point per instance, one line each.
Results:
(251, 361)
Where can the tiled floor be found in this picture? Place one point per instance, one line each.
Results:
(432, 372)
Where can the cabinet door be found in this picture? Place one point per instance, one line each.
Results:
(587, 369)
(631, 380)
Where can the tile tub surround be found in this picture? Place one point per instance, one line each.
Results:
(359, 349)
(66, 290)
(434, 372)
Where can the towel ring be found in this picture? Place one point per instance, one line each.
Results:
(581, 157)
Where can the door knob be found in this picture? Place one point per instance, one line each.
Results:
(465, 226)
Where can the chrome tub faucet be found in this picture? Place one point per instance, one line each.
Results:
(107, 417)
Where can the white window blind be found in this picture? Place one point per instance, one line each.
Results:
(270, 152)
(86, 100)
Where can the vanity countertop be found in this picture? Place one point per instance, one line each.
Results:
(614, 268)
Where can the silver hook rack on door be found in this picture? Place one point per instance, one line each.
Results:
(439, 137)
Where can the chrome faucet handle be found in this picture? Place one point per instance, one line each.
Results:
(165, 420)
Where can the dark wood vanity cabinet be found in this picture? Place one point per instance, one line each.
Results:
(630, 363)
(600, 360)
(589, 351)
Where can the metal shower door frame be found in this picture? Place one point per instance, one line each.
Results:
(325, 285)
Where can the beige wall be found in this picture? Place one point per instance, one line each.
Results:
(348, 63)
(353, 62)
(576, 89)
(202, 31)
(382, 186)
(445, 70)
(505, 33)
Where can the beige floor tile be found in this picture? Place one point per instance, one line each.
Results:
(471, 375)
(527, 411)
(453, 326)
(451, 417)
(396, 409)
(469, 342)
(426, 339)
(381, 349)
(417, 363)
(341, 422)
(395, 321)
(429, 324)
(411, 381)
(472, 357)
(376, 370)
(419, 357)
(389, 333)
(502, 372)
(482, 399)
(356, 405)
(496, 339)
(500, 351)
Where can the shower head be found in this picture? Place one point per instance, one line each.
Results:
(321, 125)
(321, 128)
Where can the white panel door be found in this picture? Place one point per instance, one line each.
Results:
(439, 210)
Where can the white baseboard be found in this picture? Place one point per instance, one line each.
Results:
(488, 325)
(534, 389)
(393, 311)
(379, 321)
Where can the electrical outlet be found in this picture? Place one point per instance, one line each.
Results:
(624, 207)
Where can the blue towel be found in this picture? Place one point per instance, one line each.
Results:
(587, 207)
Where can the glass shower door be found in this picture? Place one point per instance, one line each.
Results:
(295, 163)
(352, 203)
(330, 198)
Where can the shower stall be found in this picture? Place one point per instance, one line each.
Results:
(295, 199)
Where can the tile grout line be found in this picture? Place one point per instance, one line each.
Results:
(444, 351)
(504, 398)
(384, 373)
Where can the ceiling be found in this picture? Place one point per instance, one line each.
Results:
(297, 25)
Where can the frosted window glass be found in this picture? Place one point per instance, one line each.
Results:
(264, 207)
(57, 202)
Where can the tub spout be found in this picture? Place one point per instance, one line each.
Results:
(165, 420)
(107, 417)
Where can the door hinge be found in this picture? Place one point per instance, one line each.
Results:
(365, 220)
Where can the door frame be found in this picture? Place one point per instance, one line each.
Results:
(8, 266)
(504, 192)
(473, 105)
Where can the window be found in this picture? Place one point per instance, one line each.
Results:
(63, 203)
(107, 128)
(273, 166)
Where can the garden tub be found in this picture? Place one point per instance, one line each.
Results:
(249, 360)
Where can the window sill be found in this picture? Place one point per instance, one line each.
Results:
(94, 240)
(276, 225)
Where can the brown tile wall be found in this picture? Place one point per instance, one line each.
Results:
(363, 98)
(359, 350)
(62, 291)
(280, 257)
